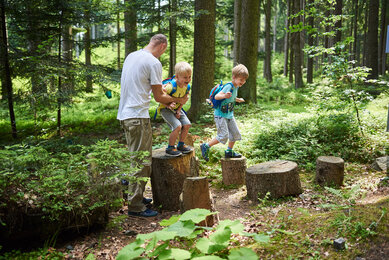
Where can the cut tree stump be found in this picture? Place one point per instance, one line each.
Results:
(280, 178)
(329, 171)
(195, 194)
(233, 170)
(168, 175)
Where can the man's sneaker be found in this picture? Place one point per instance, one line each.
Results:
(146, 201)
(204, 151)
(232, 154)
(146, 213)
(172, 151)
(184, 148)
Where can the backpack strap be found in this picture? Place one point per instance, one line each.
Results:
(174, 86)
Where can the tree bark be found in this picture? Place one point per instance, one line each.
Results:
(286, 40)
(382, 53)
(355, 54)
(310, 21)
(172, 37)
(338, 25)
(118, 35)
(237, 24)
(233, 171)
(6, 71)
(329, 171)
(249, 48)
(372, 39)
(204, 56)
(88, 52)
(130, 26)
(298, 78)
(267, 64)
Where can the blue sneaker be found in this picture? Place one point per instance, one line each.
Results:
(146, 201)
(204, 151)
(147, 213)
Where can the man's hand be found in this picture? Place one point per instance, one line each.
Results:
(183, 100)
(171, 105)
(239, 100)
(178, 114)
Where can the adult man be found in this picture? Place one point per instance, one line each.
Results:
(141, 75)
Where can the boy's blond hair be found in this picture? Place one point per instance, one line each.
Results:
(183, 68)
(240, 70)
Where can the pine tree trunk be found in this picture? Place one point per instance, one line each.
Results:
(372, 39)
(130, 26)
(310, 22)
(286, 40)
(6, 71)
(237, 23)
(118, 35)
(88, 53)
(338, 24)
(249, 48)
(267, 65)
(204, 56)
(298, 79)
(355, 31)
(172, 37)
(382, 54)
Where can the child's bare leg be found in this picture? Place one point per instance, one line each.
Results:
(231, 144)
(213, 142)
(184, 132)
(173, 136)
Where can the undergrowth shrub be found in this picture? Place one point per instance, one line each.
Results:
(304, 140)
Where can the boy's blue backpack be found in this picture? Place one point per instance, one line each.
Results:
(214, 91)
(171, 80)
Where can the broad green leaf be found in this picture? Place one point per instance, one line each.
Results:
(182, 228)
(221, 236)
(207, 257)
(163, 235)
(216, 248)
(130, 251)
(261, 238)
(174, 253)
(159, 249)
(196, 215)
(90, 257)
(242, 253)
(235, 226)
(203, 245)
(170, 221)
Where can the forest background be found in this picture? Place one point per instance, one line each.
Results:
(317, 85)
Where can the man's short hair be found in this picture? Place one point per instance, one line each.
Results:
(182, 68)
(240, 70)
(158, 39)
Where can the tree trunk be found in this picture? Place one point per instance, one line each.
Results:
(372, 39)
(355, 31)
(364, 45)
(204, 56)
(267, 65)
(118, 35)
(237, 24)
(67, 56)
(88, 52)
(130, 26)
(248, 55)
(286, 40)
(233, 171)
(382, 54)
(172, 37)
(6, 71)
(338, 24)
(310, 21)
(298, 78)
(329, 171)
(275, 18)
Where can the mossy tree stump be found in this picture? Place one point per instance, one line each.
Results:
(280, 178)
(329, 171)
(233, 170)
(195, 194)
(168, 175)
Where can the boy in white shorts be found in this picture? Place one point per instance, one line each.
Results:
(227, 128)
(173, 114)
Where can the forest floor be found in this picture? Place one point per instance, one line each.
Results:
(230, 204)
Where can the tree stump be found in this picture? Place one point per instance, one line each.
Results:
(233, 170)
(329, 171)
(195, 194)
(168, 175)
(280, 178)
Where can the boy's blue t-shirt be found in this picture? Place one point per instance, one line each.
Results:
(227, 105)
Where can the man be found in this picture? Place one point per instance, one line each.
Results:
(141, 75)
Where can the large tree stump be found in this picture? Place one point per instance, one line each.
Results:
(168, 175)
(233, 170)
(195, 194)
(280, 178)
(329, 171)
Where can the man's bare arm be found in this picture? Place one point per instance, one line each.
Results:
(161, 97)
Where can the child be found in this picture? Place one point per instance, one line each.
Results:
(173, 114)
(224, 114)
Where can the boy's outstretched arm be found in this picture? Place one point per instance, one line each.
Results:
(222, 95)
(239, 100)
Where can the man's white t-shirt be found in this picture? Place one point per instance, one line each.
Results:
(140, 70)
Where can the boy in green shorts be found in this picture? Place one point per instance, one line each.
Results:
(173, 114)
(227, 128)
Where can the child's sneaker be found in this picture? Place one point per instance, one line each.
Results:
(232, 154)
(204, 151)
(184, 148)
(172, 151)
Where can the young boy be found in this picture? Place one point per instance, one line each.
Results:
(224, 114)
(173, 114)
